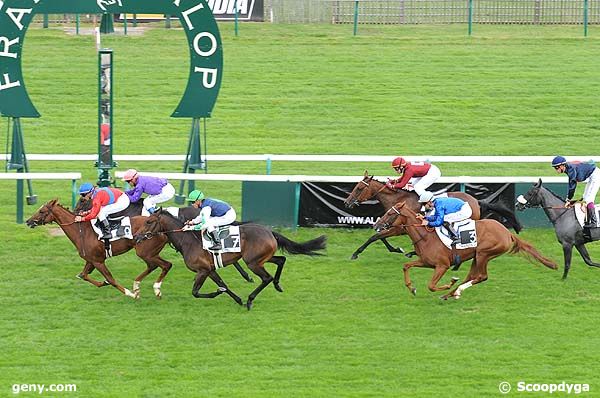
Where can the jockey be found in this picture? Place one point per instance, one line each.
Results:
(447, 212)
(159, 190)
(105, 201)
(578, 172)
(213, 213)
(422, 174)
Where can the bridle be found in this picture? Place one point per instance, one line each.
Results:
(528, 205)
(355, 201)
(387, 225)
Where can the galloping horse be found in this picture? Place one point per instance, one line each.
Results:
(369, 188)
(135, 209)
(568, 230)
(92, 250)
(258, 245)
(493, 240)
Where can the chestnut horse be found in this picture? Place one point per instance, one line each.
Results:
(493, 240)
(258, 245)
(135, 209)
(369, 188)
(92, 250)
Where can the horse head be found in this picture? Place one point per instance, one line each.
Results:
(151, 227)
(43, 215)
(82, 205)
(361, 192)
(532, 198)
(395, 217)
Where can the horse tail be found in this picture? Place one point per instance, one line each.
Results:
(309, 248)
(507, 216)
(520, 246)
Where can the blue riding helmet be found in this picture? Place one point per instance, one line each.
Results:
(86, 188)
(558, 160)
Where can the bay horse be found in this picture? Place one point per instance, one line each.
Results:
(369, 188)
(566, 226)
(92, 250)
(493, 240)
(258, 246)
(135, 209)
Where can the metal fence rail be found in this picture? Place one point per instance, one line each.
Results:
(433, 11)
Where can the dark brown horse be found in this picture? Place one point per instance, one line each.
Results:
(493, 240)
(258, 246)
(369, 188)
(92, 250)
(135, 209)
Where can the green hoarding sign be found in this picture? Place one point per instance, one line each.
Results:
(204, 42)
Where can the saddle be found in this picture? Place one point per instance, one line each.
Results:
(229, 236)
(120, 227)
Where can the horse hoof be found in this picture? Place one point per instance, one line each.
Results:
(249, 305)
(278, 288)
(250, 280)
(79, 276)
(454, 279)
(444, 297)
(158, 294)
(413, 291)
(354, 256)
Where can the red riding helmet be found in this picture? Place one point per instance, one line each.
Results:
(398, 163)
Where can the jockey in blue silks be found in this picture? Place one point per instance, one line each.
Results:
(447, 212)
(578, 172)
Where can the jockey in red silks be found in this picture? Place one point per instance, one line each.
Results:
(420, 174)
(105, 201)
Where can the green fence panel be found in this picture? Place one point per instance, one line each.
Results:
(271, 203)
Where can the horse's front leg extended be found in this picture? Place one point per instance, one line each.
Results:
(440, 270)
(381, 235)
(223, 287)
(585, 255)
(567, 253)
(84, 274)
(406, 268)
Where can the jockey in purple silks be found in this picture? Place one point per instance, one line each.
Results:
(158, 189)
(578, 172)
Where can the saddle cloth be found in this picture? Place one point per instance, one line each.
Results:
(229, 236)
(466, 232)
(119, 228)
(581, 213)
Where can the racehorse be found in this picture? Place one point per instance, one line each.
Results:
(493, 240)
(93, 252)
(135, 209)
(568, 230)
(258, 245)
(369, 188)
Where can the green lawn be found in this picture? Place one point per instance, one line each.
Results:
(341, 328)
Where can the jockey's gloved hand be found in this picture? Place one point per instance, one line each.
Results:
(187, 227)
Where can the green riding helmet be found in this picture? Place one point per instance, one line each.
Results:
(195, 195)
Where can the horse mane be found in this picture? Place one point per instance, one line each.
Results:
(61, 206)
(553, 194)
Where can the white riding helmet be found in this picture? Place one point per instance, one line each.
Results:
(426, 197)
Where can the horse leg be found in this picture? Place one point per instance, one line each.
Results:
(165, 266)
(84, 275)
(440, 270)
(585, 255)
(465, 284)
(199, 281)
(138, 280)
(151, 265)
(478, 275)
(280, 261)
(406, 268)
(567, 253)
(222, 286)
(265, 277)
(101, 267)
(373, 239)
(242, 272)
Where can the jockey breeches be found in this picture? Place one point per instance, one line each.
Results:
(151, 201)
(421, 184)
(464, 213)
(592, 186)
(213, 222)
(119, 205)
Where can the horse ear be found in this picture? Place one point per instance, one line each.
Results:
(539, 183)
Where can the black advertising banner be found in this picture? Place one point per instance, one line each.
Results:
(249, 10)
(322, 203)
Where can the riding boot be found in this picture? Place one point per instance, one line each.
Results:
(451, 232)
(105, 228)
(591, 221)
(216, 240)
